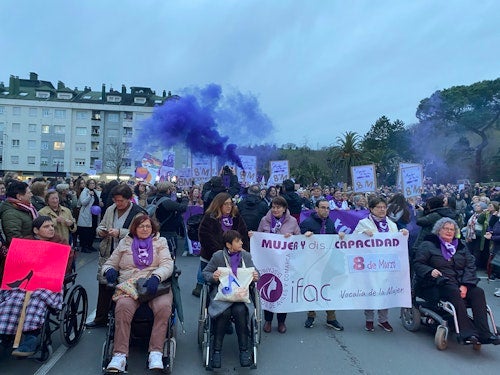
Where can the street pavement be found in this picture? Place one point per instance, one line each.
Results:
(319, 350)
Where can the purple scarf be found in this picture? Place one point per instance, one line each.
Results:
(276, 224)
(337, 203)
(226, 222)
(142, 252)
(448, 249)
(323, 227)
(29, 208)
(234, 260)
(382, 225)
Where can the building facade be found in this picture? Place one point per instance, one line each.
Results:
(47, 130)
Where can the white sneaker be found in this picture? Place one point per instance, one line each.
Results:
(155, 361)
(497, 292)
(117, 363)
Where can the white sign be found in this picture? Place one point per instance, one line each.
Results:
(279, 172)
(412, 180)
(201, 169)
(248, 175)
(364, 179)
(324, 273)
(184, 179)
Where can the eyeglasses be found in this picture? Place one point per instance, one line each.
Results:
(448, 229)
(144, 226)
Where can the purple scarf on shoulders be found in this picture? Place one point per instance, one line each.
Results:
(142, 252)
(276, 223)
(448, 249)
(234, 260)
(226, 222)
(382, 225)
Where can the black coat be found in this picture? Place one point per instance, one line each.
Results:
(313, 224)
(459, 270)
(252, 208)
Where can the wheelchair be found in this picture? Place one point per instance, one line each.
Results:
(70, 320)
(440, 317)
(140, 332)
(205, 327)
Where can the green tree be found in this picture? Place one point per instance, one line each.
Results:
(473, 109)
(346, 154)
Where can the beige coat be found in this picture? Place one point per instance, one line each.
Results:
(61, 228)
(122, 261)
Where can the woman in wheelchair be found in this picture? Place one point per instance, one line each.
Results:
(221, 311)
(11, 301)
(445, 269)
(143, 253)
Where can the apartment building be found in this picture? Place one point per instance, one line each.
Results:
(47, 130)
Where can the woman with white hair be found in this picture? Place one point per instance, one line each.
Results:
(445, 269)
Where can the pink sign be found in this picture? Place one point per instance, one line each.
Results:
(33, 264)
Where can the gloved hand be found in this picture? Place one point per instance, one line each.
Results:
(152, 284)
(111, 275)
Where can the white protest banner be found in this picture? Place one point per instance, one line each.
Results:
(322, 272)
(201, 169)
(279, 172)
(412, 180)
(248, 175)
(364, 178)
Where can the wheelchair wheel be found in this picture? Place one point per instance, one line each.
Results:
(441, 337)
(410, 317)
(108, 346)
(45, 350)
(258, 320)
(203, 315)
(169, 355)
(207, 345)
(73, 316)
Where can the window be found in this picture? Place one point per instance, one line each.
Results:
(96, 115)
(58, 161)
(114, 98)
(139, 100)
(14, 159)
(127, 132)
(45, 129)
(60, 113)
(33, 112)
(46, 112)
(15, 143)
(95, 130)
(59, 129)
(127, 115)
(44, 161)
(59, 146)
(2, 126)
(81, 131)
(94, 146)
(16, 111)
(64, 95)
(80, 147)
(42, 94)
(44, 145)
(31, 160)
(79, 162)
(31, 144)
(32, 128)
(127, 163)
(113, 117)
(81, 115)
(16, 127)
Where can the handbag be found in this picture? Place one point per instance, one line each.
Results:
(142, 291)
(127, 288)
(232, 288)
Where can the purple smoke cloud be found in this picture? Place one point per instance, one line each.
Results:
(196, 119)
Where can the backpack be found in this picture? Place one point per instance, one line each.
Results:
(151, 208)
(193, 224)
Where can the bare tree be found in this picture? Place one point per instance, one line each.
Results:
(115, 156)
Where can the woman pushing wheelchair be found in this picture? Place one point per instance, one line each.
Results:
(445, 269)
(232, 256)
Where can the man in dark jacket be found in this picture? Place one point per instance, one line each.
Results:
(292, 198)
(169, 213)
(320, 223)
(252, 208)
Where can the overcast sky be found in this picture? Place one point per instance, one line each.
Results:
(318, 68)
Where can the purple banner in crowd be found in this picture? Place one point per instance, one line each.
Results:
(192, 210)
(345, 220)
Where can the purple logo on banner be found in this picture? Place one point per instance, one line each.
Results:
(270, 287)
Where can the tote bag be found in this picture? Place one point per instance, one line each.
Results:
(232, 288)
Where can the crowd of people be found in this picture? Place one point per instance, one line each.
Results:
(116, 213)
